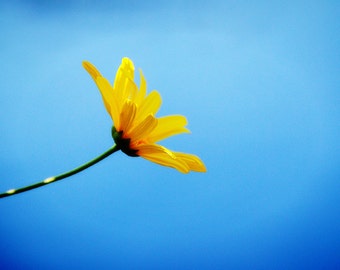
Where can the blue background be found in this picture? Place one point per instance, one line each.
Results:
(259, 84)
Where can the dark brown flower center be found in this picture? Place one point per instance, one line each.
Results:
(123, 143)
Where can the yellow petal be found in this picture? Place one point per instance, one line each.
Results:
(110, 103)
(105, 89)
(127, 68)
(163, 156)
(143, 129)
(127, 117)
(194, 162)
(128, 91)
(142, 89)
(124, 76)
(150, 105)
(91, 69)
(168, 126)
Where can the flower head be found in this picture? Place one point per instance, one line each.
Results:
(136, 129)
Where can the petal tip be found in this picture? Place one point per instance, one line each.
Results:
(91, 69)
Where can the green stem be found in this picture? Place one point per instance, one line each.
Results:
(61, 176)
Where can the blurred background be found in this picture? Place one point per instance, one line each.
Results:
(259, 84)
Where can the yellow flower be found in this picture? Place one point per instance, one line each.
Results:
(136, 129)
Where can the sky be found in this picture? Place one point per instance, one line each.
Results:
(259, 84)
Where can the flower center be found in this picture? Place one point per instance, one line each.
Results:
(123, 143)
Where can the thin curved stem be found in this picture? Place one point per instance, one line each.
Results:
(53, 179)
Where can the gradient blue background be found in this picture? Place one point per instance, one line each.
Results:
(259, 84)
